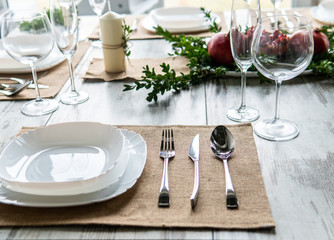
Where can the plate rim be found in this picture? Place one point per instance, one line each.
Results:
(148, 23)
(40, 66)
(315, 15)
(57, 125)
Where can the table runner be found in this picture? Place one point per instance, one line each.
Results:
(55, 77)
(142, 33)
(139, 205)
(134, 68)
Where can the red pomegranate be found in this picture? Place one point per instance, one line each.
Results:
(300, 42)
(321, 42)
(219, 49)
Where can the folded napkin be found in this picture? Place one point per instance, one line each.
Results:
(134, 68)
(142, 33)
(55, 78)
(139, 205)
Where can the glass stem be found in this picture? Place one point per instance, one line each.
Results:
(34, 77)
(243, 90)
(69, 60)
(275, 15)
(278, 92)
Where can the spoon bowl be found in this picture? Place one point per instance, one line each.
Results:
(222, 142)
(222, 145)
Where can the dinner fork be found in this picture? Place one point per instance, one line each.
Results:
(16, 89)
(167, 151)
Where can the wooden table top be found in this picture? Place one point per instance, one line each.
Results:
(298, 174)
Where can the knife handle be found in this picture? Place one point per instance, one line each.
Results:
(194, 195)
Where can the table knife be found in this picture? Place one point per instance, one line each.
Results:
(194, 155)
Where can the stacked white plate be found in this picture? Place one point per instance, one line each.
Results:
(70, 164)
(178, 20)
(9, 65)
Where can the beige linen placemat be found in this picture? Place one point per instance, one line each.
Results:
(55, 77)
(134, 68)
(139, 205)
(142, 33)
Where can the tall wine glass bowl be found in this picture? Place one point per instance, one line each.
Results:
(27, 37)
(97, 7)
(280, 55)
(244, 18)
(64, 20)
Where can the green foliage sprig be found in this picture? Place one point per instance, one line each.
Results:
(200, 66)
(126, 38)
(38, 24)
(214, 26)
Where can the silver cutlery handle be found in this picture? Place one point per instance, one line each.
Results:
(194, 195)
(231, 197)
(164, 188)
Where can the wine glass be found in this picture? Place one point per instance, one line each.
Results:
(281, 54)
(98, 7)
(64, 20)
(244, 18)
(27, 37)
(276, 3)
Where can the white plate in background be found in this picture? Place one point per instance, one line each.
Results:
(178, 20)
(9, 65)
(324, 12)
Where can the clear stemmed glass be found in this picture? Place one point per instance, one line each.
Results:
(98, 7)
(27, 37)
(64, 20)
(281, 54)
(244, 18)
(276, 3)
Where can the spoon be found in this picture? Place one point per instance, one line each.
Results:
(222, 145)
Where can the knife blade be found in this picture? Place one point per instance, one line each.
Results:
(194, 155)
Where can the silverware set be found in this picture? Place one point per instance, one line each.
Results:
(222, 144)
(10, 90)
(19, 86)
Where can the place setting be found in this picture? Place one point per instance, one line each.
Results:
(27, 47)
(61, 169)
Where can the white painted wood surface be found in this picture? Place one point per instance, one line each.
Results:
(298, 174)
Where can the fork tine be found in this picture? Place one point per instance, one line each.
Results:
(166, 140)
(172, 136)
(162, 141)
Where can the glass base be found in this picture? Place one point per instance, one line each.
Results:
(96, 44)
(74, 97)
(276, 130)
(41, 107)
(243, 114)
